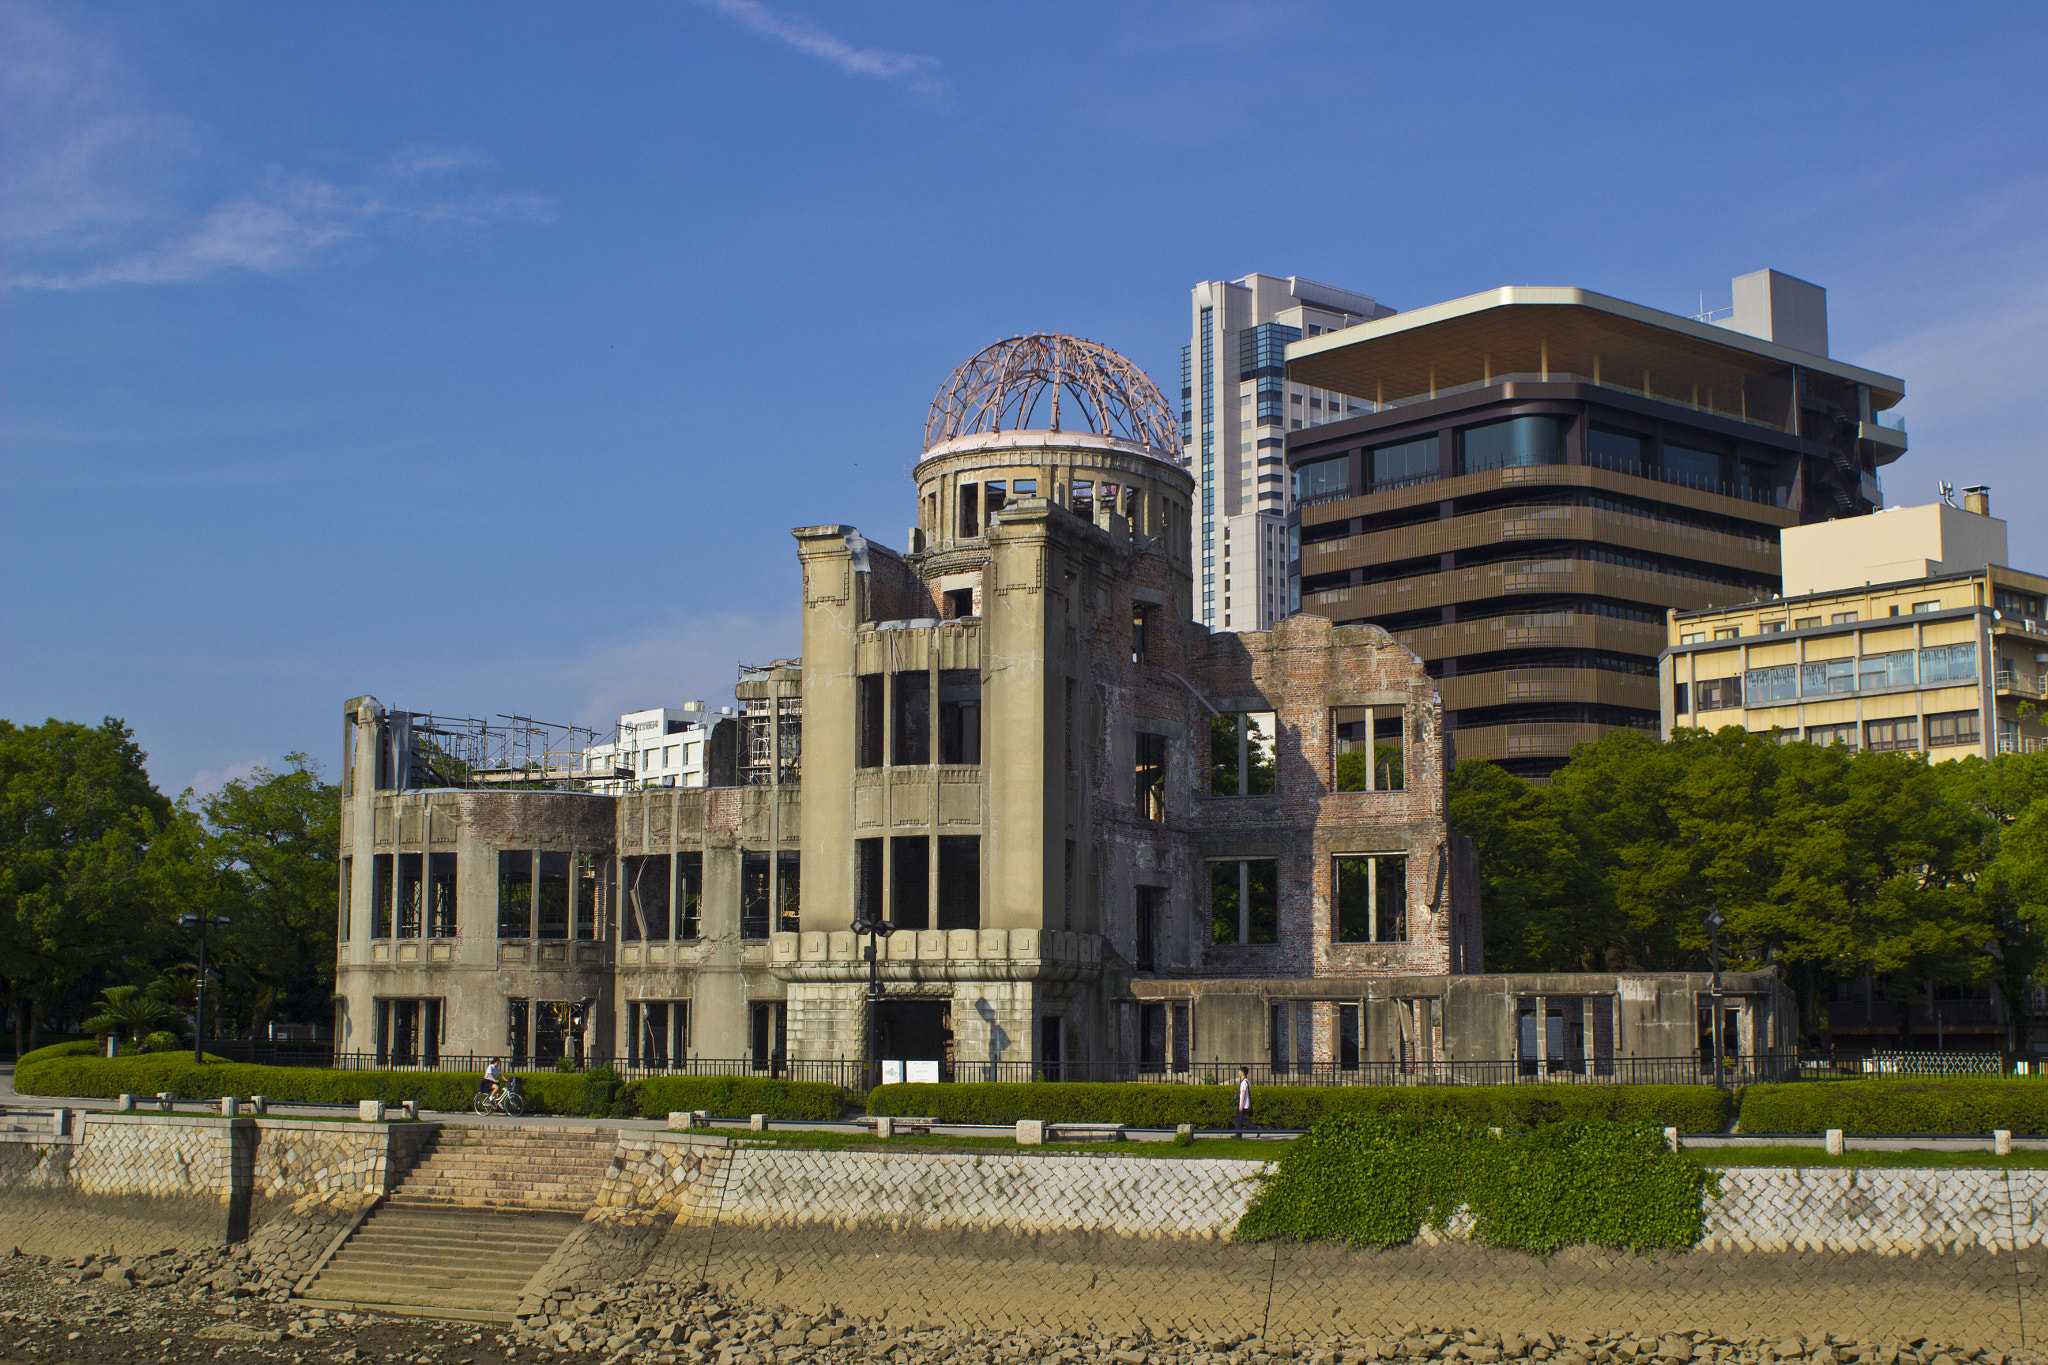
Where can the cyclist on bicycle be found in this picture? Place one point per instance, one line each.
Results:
(494, 1077)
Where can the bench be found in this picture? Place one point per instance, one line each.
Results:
(888, 1125)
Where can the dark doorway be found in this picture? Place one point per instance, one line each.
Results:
(1049, 1049)
(918, 1031)
(1152, 1038)
(770, 1039)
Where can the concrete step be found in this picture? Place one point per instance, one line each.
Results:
(543, 1169)
(477, 1261)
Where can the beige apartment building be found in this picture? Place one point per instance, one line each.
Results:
(1898, 631)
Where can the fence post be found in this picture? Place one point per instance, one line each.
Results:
(1837, 1144)
(2001, 1141)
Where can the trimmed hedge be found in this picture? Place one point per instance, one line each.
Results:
(77, 1047)
(597, 1093)
(1946, 1104)
(546, 1092)
(731, 1096)
(1515, 1108)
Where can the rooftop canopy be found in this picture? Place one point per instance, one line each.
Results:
(1560, 335)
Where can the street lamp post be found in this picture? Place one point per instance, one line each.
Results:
(1714, 923)
(203, 922)
(876, 929)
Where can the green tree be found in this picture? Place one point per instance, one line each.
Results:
(131, 1011)
(77, 817)
(1541, 906)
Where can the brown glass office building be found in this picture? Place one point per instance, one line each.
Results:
(1545, 472)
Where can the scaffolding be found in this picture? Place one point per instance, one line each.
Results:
(509, 751)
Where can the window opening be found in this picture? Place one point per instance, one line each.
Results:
(1141, 623)
(770, 1036)
(381, 891)
(1369, 743)
(441, 921)
(867, 879)
(959, 881)
(348, 867)
(515, 893)
(960, 716)
(1349, 1038)
(788, 882)
(1371, 892)
(970, 511)
(910, 881)
(1151, 776)
(517, 1011)
(411, 894)
(690, 887)
(867, 705)
(912, 721)
(1241, 754)
(754, 895)
(553, 917)
(1148, 928)
(1244, 901)
(646, 914)
(589, 879)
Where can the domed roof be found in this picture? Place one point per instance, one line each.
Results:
(1050, 382)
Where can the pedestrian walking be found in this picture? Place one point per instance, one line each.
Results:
(1244, 1100)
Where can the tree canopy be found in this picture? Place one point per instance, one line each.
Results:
(1830, 864)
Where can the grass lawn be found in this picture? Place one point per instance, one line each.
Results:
(1236, 1149)
(1854, 1157)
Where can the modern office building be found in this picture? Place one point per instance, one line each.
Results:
(1237, 407)
(662, 747)
(1899, 631)
(1543, 473)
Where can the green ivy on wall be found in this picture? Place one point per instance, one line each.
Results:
(1378, 1181)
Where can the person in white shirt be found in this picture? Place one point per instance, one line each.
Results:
(1244, 1100)
(494, 1076)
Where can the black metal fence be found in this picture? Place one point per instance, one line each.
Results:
(852, 1074)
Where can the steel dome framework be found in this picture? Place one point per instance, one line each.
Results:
(1050, 382)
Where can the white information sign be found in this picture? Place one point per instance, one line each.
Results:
(923, 1073)
(892, 1073)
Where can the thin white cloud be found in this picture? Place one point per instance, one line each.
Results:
(105, 189)
(207, 781)
(808, 38)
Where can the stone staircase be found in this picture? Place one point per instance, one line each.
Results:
(468, 1263)
(470, 1224)
(548, 1170)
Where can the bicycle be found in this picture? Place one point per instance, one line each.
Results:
(507, 1101)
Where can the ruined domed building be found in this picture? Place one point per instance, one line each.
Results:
(1104, 841)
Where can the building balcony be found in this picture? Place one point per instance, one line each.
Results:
(2019, 684)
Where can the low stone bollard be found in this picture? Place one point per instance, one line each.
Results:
(259, 1104)
(370, 1111)
(758, 1122)
(411, 1110)
(1183, 1132)
(1837, 1144)
(60, 1121)
(229, 1106)
(125, 1103)
(885, 1126)
(2001, 1141)
(163, 1100)
(682, 1118)
(1671, 1138)
(1031, 1132)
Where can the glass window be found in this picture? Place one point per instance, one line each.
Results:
(1515, 442)
(1700, 468)
(1764, 686)
(1948, 663)
(1320, 478)
(1875, 671)
(1835, 675)
(1805, 622)
(1616, 450)
(1371, 895)
(1716, 694)
(1900, 733)
(1842, 618)
(1954, 727)
(1728, 632)
(1241, 759)
(1408, 460)
(515, 893)
(1771, 628)
(1244, 901)
(1825, 735)
(1922, 608)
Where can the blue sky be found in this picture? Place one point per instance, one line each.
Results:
(481, 357)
